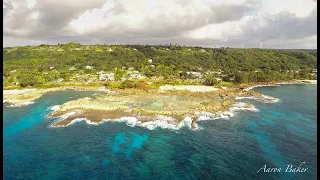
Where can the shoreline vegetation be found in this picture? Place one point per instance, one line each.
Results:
(167, 106)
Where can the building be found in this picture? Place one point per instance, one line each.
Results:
(196, 74)
(51, 68)
(60, 80)
(218, 79)
(89, 67)
(72, 68)
(150, 60)
(109, 77)
(136, 75)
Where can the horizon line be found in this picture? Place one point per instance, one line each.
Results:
(195, 46)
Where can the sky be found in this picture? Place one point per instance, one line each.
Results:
(274, 24)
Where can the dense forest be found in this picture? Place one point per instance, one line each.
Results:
(34, 64)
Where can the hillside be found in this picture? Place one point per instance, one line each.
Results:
(46, 63)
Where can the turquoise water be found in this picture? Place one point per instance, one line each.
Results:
(279, 134)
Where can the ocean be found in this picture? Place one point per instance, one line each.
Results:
(277, 136)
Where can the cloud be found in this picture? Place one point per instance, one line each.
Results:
(186, 22)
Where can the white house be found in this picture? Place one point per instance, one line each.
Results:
(51, 68)
(60, 80)
(104, 77)
(135, 49)
(202, 50)
(136, 75)
(196, 74)
(89, 67)
(150, 60)
(13, 71)
(72, 68)
(110, 50)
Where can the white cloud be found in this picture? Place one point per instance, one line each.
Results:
(188, 22)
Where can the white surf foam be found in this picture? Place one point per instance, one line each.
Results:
(250, 88)
(166, 122)
(240, 106)
(21, 104)
(163, 122)
(264, 99)
(54, 108)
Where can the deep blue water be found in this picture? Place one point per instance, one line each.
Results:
(278, 135)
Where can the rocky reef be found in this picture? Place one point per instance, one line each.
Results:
(147, 106)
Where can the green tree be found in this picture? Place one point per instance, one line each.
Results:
(211, 81)
(127, 84)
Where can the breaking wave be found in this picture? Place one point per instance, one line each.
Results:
(263, 99)
(21, 104)
(163, 122)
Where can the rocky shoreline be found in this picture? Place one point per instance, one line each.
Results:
(146, 106)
